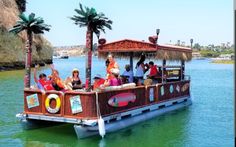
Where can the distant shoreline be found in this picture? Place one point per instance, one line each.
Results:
(21, 65)
(223, 61)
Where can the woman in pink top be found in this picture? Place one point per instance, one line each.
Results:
(114, 80)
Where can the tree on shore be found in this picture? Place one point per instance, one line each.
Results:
(95, 22)
(21, 4)
(32, 25)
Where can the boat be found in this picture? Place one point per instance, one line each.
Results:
(115, 107)
(63, 55)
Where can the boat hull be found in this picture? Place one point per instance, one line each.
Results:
(83, 131)
(28, 124)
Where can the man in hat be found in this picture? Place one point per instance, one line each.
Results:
(98, 81)
(127, 75)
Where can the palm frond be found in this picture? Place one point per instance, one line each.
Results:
(80, 12)
(90, 18)
(31, 17)
(81, 8)
(39, 20)
(35, 25)
(23, 17)
(16, 30)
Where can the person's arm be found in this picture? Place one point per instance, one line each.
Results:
(146, 67)
(35, 73)
(116, 65)
(107, 83)
(52, 67)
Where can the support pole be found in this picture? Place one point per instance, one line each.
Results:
(163, 79)
(131, 62)
(88, 63)
(182, 69)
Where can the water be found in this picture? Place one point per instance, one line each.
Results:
(208, 122)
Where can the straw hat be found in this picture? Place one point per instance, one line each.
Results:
(75, 69)
(147, 82)
(109, 56)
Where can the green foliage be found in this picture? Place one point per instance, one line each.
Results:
(31, 24)
(228, 51)
(223, 61)
(21, 4)
(10, 47)
(88, 17)
(209, 53)
(197, 46)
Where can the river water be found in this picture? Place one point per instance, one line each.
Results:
(209, 122)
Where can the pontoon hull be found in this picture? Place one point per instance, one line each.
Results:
(83, 131)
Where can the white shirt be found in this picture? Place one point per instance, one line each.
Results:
(139, 71)
(129, 74)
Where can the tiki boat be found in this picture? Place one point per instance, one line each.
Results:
(118, 107)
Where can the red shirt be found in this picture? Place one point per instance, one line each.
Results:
(153, 71)
(47, 84)
(98, 83)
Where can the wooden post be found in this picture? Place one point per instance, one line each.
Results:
(182, 69)
(163, 70)
(88, 63)
(131, 65)
(28, 59)
(131, 62)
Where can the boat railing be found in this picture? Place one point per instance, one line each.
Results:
(82, 105)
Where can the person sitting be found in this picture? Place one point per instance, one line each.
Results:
(153, 74)
(140, 70)
(98, 81)
(74, 81)
(114, 79)
(57, 82)
(127, 75)
(42, 83)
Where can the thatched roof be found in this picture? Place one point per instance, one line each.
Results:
(126, 47)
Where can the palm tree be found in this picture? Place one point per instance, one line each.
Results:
(31, 25)
(95, 22)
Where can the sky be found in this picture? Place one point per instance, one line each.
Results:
(206, 21)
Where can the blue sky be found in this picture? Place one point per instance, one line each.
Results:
(206, 21)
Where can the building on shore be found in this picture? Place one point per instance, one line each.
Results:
(225, 57)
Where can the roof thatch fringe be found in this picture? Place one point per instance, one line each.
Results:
(159, 55)
(136, 55)
(173, 55)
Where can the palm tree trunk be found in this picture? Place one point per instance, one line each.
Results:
(89, 42)
(28, 59)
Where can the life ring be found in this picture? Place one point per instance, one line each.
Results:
(58, 103)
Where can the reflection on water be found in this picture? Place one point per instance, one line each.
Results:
(209, 121)
(102, 143)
